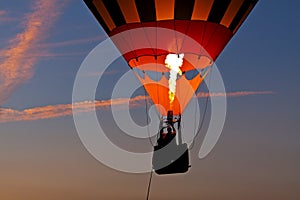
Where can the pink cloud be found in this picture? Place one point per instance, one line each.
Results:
(3, 12)
(5, 18)
(62, 110)
(18, 66)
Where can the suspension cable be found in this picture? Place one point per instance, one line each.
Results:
(149, 185)
(147, 119)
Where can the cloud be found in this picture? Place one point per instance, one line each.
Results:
(73, 42)
(5, 18)
(62, 110)
(56, 55)
(234, 94)
(17, 65)
(108, 72)
(3, 12)
(37, 54)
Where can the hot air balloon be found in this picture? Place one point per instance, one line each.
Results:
(210, 23)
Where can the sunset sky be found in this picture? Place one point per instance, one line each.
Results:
(42, 45)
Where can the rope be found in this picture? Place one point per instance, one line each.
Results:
(147, 118)
(149, 185)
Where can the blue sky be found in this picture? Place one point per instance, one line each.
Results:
(257, 156)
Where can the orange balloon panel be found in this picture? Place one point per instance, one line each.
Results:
(158, 91)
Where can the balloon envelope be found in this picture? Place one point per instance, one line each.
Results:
(199, 29)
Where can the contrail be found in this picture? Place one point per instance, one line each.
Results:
(233, 94)
(62, 110)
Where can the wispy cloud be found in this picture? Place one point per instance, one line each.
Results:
(73, 42)
(234, 94)
(5, 18)
(41, 55)
(62, 110)
(3, 12)
(37, 54)
(109, 72)
(17, 66)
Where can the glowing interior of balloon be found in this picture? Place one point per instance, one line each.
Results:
(173, 62)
